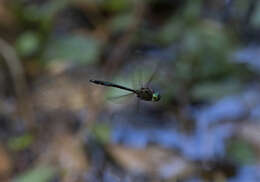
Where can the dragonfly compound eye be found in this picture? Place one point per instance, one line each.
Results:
(156, 97)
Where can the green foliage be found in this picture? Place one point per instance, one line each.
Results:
(36, 13)
(116, 5)
(121, 22)
(28, 43)
(212, 91)
(102, 132)
(35, 23)
(203, 65)
(39, 174)
(20, 142)
(241, 7)
(77, 48)
(256, 17)
(241, 152)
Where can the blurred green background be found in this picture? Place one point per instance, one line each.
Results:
(55, 126)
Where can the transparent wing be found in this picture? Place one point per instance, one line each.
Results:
(153, 75)
(121, 98)
(143, 75)
(135, 82)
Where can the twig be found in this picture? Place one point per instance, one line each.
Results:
(24, 104)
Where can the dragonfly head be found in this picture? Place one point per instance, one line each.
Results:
(156, 96)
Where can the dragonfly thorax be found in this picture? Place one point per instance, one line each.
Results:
(145, 94)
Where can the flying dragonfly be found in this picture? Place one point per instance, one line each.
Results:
(144, 93)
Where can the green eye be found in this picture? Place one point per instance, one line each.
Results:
(156, 97)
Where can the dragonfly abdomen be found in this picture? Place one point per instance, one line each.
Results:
(110, 84)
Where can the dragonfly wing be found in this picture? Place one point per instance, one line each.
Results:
(141, 78)
(137, 78)
(152, 76)
(120, 98)
(135, 82)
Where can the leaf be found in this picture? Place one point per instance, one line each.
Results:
(28, 43)
(20, 142)
(39, 174)
(121, 22)
(77, 48)
(116, 5)
(241, 152)
(102, 132)
(213, 91)
(256, 17)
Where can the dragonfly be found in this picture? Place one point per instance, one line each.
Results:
(144, 93)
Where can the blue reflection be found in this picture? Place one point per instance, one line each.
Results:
(247, 173)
